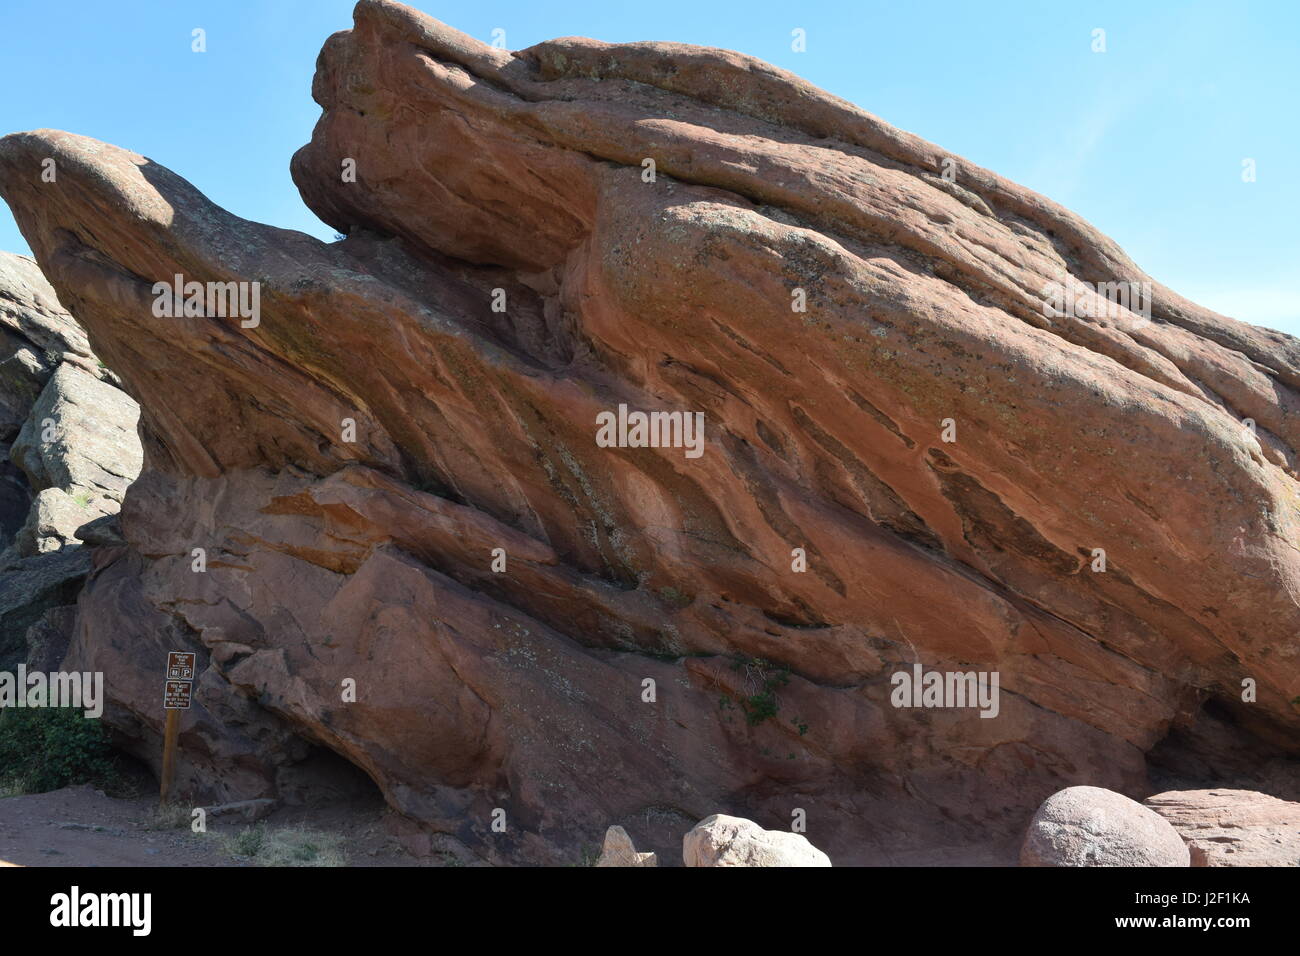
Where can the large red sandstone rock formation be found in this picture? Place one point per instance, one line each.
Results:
(480, 170)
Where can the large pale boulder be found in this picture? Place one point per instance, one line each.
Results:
(721, 840)
(80, 436)
(1233, 827)
(35, 331)
(63, 422)
(53, 520)
(80, 451)
(620, 851)
(1089, 826)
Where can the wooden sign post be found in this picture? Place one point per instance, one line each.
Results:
(176, 697)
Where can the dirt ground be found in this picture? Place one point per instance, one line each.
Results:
(82, 826)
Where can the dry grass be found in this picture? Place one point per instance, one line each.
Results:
(170, 816)
(285, 846)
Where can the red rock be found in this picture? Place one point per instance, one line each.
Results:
(1233, 827)
(521, 691)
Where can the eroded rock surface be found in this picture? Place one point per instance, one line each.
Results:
(349, 465)
(1233, 827)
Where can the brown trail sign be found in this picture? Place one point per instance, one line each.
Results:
(176, 697)
(180, 665)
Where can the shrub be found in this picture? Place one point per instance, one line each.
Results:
(45, 748)
(763, 680)
(247, 842)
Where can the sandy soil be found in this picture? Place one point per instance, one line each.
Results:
(82, 826)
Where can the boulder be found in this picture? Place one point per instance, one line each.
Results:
(721, 840)
(23, 373)
(1233, 827)
(1089, 826)
(35, 332)
(106, 530)
(80, 452)
(53, 520)
(81, 437)
(30, 309)
(28, 590)
(619, 850)
(63, 423)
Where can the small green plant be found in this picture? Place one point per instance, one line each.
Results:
(247, 842)
(590, 856)
(45, 748)
(305, 851)
(759, 707)
(762, 679)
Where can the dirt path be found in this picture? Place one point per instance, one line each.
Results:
(81, 826)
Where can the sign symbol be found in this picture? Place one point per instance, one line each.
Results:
(180, 665)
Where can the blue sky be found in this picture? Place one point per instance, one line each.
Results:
(1145, 140)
